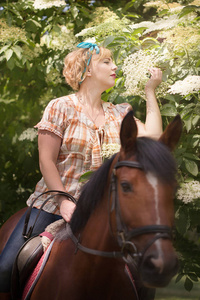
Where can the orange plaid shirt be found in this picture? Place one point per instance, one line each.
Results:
(81, 142)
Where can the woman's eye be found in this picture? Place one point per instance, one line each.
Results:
(126, 187)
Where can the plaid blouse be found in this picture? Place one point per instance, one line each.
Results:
(81, 142)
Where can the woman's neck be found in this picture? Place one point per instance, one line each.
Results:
(91, 98)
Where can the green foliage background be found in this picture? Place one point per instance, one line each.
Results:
(34, 43)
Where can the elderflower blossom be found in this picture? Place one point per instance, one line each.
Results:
(104, 22)
(190, 84)
(61, 40)
(44, 4)
(136, 70)
(28, 134)
(109, 149)
(11, 33)
(161, 5)
(185, 38)
(163, 24)
(189, 191)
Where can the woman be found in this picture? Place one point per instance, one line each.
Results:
(70, 136)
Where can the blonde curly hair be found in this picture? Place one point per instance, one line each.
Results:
(75, 65)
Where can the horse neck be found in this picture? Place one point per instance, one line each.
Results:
(97, 234)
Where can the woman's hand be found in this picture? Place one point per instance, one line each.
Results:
(66, 209)
(155, 79)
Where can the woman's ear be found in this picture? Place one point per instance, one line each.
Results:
(89, 72)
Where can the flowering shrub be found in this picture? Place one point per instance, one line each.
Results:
(35, 37)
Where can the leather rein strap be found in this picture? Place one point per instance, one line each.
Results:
(27, 233)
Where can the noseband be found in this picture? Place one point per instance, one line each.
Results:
(124, 235)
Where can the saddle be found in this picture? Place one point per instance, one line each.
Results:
(26, 260)
(29, 255)
(33, 249)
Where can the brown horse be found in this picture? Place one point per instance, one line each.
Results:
(122, 225)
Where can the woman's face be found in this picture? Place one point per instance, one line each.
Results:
(103, 72)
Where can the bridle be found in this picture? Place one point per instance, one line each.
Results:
(124, 236)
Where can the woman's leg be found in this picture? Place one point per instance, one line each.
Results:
(16, 240)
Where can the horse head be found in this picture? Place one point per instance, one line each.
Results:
(141, 205)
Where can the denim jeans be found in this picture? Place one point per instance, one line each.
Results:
(16, 240)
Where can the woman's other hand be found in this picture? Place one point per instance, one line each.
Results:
(155, 79)
(66, 209)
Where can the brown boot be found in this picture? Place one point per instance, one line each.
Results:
(5, 296)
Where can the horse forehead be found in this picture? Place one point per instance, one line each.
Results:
(152, 180)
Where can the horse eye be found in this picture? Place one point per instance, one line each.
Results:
(126, 187)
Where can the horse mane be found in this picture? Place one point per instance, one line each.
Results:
(91, 195)
(154, 157)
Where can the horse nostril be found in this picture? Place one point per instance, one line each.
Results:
(158, 264)
(148, 263)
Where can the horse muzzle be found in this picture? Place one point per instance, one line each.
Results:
(157, 266)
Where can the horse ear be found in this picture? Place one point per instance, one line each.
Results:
(128, 132)
(172, 133)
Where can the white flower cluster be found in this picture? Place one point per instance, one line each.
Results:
(136, 70)
(90, 40)
(110, 26)
(190, 84)
(86, 31)
(189, 191)
(43, 4)
(161, 5)
(163, 24)
(109, 149)
(61, 40)
(28, 134)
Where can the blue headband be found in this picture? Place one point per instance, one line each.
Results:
(91, 47)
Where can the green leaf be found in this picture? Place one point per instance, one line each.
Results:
(11, 63)
(195, 120)
(182, 220)
(128, 5)
(187, 109)
(179, 277)
(188, 122)
(191, 167)
(3, 49)
(133, 16)
(191, 156)
(188, 284)
(74, 11)
(193, 277)
(169, 110)
(108, 41)
(198, 63)
(188, 9)
(18, 51)
(32, 25)
(8, 54)
(86, 176)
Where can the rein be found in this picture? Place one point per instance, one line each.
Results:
(27, 232)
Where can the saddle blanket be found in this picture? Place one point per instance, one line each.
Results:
(31, 282)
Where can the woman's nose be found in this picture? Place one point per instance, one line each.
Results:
(114, 67)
